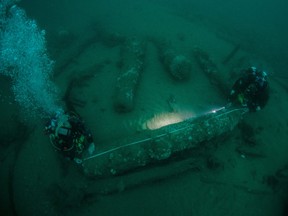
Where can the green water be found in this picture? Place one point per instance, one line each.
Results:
(251, 175)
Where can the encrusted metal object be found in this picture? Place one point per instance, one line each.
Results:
(155, 146)
(131, 67)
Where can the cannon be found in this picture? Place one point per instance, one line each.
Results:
(152, 147)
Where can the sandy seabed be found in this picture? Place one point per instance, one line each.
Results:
(37, 180)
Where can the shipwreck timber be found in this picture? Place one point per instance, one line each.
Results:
(211, 70)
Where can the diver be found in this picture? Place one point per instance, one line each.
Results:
(69, 135)
(251, 90)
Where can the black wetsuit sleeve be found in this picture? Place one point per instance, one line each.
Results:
(239, 87)
(259, 100)
(263, 97)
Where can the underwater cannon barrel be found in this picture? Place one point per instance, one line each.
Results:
(152, 147)
(206, 63)
(210, 69)
(131, 66)
(177, 65)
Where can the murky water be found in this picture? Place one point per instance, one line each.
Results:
(245, 184)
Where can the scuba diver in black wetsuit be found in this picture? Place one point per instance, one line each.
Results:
(251, 90)
(69, 135)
